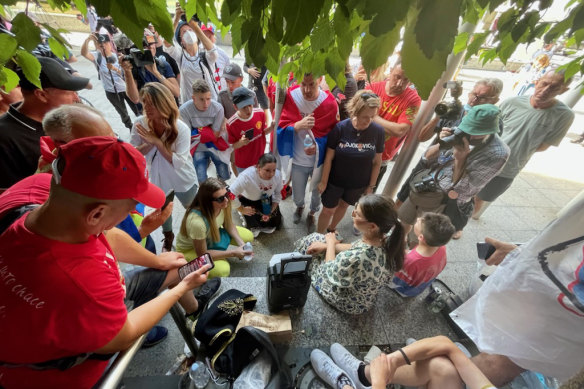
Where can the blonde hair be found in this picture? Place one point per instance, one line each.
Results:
(359, 102)
(160, 96)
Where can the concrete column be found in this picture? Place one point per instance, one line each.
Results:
(572, 96)
(402, 165)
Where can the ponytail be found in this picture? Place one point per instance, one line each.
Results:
(394, 245)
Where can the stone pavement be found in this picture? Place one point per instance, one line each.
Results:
(548, 182)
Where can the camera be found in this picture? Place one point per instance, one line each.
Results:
(453, 140)
(195, 17)
(450, 110)
(427, 184)
(138, 58)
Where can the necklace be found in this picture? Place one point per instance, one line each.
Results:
(21, 122)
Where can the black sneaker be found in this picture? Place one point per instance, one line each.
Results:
(204, 295)
(156, 335)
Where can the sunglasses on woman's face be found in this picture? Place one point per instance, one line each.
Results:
(228, 195)
(368, 95)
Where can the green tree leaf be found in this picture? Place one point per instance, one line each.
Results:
(81, 6)
(431, 36)
(476, 43)
(229, 11)
(290, 67)
(8, 45)
(236, 40)
(557, 30)
(156, 14)
(322, 35)
(460, 42)
(578, 21)
(375, 51)
(390, 13)
(58, 49)
(300, 16)
(256, 44)
(506, 48)
(571, 68)
(10, 79)
(27, 34)
(31, 66)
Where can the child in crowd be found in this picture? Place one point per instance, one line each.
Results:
(247, 130)
(258, 189)
(427, 260)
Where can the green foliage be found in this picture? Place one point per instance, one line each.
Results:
(319, 35)
(31, 66)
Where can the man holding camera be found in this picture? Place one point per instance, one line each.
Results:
(110, 73)
(141, 68)
(458, 167)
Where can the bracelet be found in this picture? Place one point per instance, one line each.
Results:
(405, 356)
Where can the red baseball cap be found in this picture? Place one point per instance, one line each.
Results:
(208, 27)
(106, 168)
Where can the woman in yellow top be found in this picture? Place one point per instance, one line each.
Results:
(207, 227)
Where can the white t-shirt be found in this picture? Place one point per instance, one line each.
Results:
(106, 77)
(531, 309)
(179, 176)
(306, 108)
(249, 184)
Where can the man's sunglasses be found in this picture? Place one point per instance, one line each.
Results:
(227, 195)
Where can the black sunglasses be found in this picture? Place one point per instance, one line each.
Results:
(368, 95)
(227, 195)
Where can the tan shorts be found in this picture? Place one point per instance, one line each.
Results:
(418, 203)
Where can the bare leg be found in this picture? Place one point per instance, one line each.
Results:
(437, 372)
(339, 214)
(324, 219)
(478, 204)
(188, 300)
(499, 369)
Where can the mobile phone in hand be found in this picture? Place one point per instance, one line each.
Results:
(249, 134)
(485, 250)
(169, 198)
(195, 265)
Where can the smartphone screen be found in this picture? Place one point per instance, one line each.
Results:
(195, 264)
(485, 250)
(249, 134)
(169, 198)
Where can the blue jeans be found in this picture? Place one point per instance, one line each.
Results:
(300, 175)
(201, 160)
(185, 198)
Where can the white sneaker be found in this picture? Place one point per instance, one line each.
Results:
(256, 231)
(326, 369)
(348, 363)
(268, 230)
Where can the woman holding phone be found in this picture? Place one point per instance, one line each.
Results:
(165, 142)
(207, 227)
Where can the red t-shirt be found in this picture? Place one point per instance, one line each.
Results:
(30, 190)
(58, 300)
(248, 155)
(398, 109)
(419, 270)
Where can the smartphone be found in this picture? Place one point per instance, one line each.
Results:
(169, 198)
(485, 250)
(249, 134)
(195, 264)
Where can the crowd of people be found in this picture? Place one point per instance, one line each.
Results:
(72, 197)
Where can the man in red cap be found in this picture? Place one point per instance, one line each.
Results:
(63, 293)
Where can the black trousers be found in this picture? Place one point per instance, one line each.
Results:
(117, 100)
(255, 220)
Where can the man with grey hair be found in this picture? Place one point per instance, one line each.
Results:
(205, 117)
(485, 91)
(531, 124)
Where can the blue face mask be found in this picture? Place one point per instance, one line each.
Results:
(467, 107)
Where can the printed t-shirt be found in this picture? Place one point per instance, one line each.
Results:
(305, 107)
(250, 185)
(398, 109)
(419, 271)
(249, 154)
(354, 153)
(526, 128)
(59, 300)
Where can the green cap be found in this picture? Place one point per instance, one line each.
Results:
(481, 120)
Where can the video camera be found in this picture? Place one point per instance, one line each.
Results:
(138, 58)
(453, 140)
(450, 110)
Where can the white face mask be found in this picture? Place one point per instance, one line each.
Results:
(189, 38)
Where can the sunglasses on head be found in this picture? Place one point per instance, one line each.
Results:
(227, 195)
(368, 95)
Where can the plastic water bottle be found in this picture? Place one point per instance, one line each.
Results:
(199, 375)
(308, 142)
(247, 247)
(266, 206)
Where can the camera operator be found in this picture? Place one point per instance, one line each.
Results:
(110, 73)
(457, 168)
(141, 68)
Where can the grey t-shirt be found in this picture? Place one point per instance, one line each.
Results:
(525, 128)
(212, 117)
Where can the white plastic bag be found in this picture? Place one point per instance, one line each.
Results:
(256, 375)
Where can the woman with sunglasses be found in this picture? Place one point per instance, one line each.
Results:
(348, 276)
(352, 161)
(258, 189)
(207, 227)
(165, 142)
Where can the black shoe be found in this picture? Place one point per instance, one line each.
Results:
(204, 295)
(156, 335)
